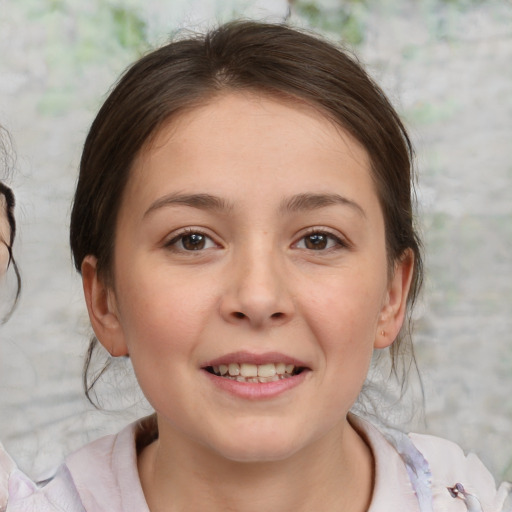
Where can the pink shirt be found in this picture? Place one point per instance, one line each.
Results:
(103, 477)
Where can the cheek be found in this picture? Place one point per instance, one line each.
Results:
(343, 315)
(161, 312)
(346, 302)
(4, 258)
(346, 329)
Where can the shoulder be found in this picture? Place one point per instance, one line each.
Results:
(18, 493)
(100, 477)
(460, 480)
(7, 466)
(442, 477)
(105, 473)
(93, 470)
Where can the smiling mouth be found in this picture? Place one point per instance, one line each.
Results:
(246, 372)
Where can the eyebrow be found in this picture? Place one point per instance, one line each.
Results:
(200, 201)
(310, 201)
(299, 202)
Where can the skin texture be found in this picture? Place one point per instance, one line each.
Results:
(4, 236)
(258, 285)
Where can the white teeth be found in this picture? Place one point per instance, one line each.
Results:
(280, 368)
(248, 370)
(267, 370)
(234, 369)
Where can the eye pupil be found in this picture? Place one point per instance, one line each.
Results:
(316, 241)
(193, 242)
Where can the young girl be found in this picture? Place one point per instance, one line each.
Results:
(244, 230)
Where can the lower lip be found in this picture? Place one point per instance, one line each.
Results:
(256, 390)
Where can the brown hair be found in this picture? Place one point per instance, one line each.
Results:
(269, 58)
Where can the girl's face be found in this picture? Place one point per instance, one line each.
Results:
(250, 240)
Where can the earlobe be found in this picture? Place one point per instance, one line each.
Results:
(395, 305)
(102, 309)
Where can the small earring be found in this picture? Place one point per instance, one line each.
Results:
(383, 333)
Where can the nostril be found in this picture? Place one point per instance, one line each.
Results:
(240, 315)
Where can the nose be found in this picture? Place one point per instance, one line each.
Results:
(257, 292)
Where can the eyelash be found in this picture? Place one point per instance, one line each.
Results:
(173, 243)
(339, 243)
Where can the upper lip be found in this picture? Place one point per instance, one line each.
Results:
(252, 358)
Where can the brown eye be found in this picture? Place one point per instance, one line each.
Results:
(316, 241)
(320, 241)
(190, 241)
(193, 241)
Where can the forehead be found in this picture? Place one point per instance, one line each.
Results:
(254, 152)
(255, 155)
(250, 129)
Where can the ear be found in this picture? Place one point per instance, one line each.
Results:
(102, 309)
(395, 303)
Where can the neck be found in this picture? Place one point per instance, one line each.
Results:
(336, 471)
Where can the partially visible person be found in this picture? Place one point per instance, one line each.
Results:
(7, 232)
(7, 220)
(14, 485)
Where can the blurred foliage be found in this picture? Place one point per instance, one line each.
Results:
(129, 28)
(347, 19)
(427, 113)
(85, 44)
